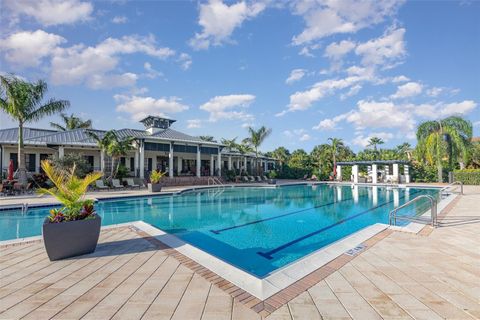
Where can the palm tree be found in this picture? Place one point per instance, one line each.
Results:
(71, 122)
(111, 145)
(282, 155)
(336, 143)
(207, 138)
(374, 141)
(404, 150)
(23, 102)
(230, 143)
(255, 139)
(243, 149)
(446, 138)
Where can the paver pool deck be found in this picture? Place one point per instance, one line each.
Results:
(431, 275)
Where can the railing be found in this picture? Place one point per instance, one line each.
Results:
(433, 211)
(451, 185)
(214, 181)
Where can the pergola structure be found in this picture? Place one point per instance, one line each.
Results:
(373, 170)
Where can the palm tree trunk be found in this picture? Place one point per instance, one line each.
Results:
(440, 172)
(22, 172)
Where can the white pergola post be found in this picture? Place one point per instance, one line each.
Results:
(199, 161)
(245, 164)
(375, 195)
(339, 173)
(395, 172)
(229, 162)
(355, 173)
(136, 168)
(219, 163)
(406, 173)
(170, 162)
(179, 165)
(211, 165)
(355, 194)
(61, 152)
(374, 173)
(142, 160)
(37, 163)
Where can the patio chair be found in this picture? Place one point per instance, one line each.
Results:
(245, 179)
(258, 179)
(132, 184)
(116, 184)
(100, 185)
(264, 178)
(251, 179)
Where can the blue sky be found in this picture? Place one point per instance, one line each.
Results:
(307, 69)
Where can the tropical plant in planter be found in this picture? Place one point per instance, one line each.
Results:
(272, 175)
(74, 228)
(155, 177)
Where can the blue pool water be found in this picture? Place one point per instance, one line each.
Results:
(256, 229)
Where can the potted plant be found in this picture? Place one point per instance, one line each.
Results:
(155, 177)
(74, 228)
(272, 175)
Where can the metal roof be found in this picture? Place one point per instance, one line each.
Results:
(365, 162)
(10, 135)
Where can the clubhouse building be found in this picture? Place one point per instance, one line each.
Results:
(157, 147)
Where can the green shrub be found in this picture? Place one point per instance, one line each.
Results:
(272, 174)
(467, 176)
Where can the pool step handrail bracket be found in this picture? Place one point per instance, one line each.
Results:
(450, 186)
(433, 211)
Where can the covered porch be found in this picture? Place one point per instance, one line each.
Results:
(376, 171)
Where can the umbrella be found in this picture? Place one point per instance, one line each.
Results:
(10, 171)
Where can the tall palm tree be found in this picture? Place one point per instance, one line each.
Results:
(117, 149)
(207, 138)
(22, 100)
(446, 138)
(336, 143)
(374, 142)
(282, 155)
(104, 142)
(255, 139)
(243, 149)
(71, 122)
(404, 150)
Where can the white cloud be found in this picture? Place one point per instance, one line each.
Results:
(326, 125)
(141, 107)
(387, 50)
(295, 75)
(325, 18)
(219, 20)
(27, 48)
(52, 12)
(185, 61)
(407, 90)
(95, 66)
(194, 123)
(336, 51)
(229, 107)
(400, 78)
(442, 110)
(297, 134)
(351, 92)
(151, 72)
(119, 19)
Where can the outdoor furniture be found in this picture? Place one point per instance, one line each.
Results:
(116, 184)
(100, 185)
(245, 179)
(264, 178)
(131, 184)
(251, 179)
(258, 179)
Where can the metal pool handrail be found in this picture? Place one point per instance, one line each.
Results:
(433, 209)
(452, 184)
(215, 181)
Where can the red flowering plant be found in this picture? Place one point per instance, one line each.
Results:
(70, 191)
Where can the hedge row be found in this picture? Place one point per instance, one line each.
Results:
(468, 176)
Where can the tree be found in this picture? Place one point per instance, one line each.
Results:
(255, 139)
(374, 142)
(404, 151)
(447, 138)
(230, 143)
(243, 149)
(207, 138)
(336, 143)
(23, 102)
(71, 122)
(281, 154)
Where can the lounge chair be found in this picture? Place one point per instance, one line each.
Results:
(251, 179)
(132, 184)
(100, 185)
(116, 184)
(245, 179)
(305, 177)
(264, 178)
(258, 179)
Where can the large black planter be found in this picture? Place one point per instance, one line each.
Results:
(69, 239)
(154, 187)
(272, 181)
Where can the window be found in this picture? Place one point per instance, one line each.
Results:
(132, 164)
(123, 161)
(30, 162)
(89, 160)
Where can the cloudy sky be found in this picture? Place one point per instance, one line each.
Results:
(307, 69)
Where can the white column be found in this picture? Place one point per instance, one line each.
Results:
(355, 173)
(395, 172)
(355, 193)
(219, 162)
(339, 193)
(61, 152)
(211, 165)
(170, 161)
(229, 162)
(406, 172)
(37, 163)
(374, 173)
(142, 160)
(339, 173)
(102, 161)
(179, 165)
(375, 195)
(396, 198)
(136, 168)
(199, 161)
(245, 164)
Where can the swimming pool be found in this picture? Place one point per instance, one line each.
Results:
(256, 229)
